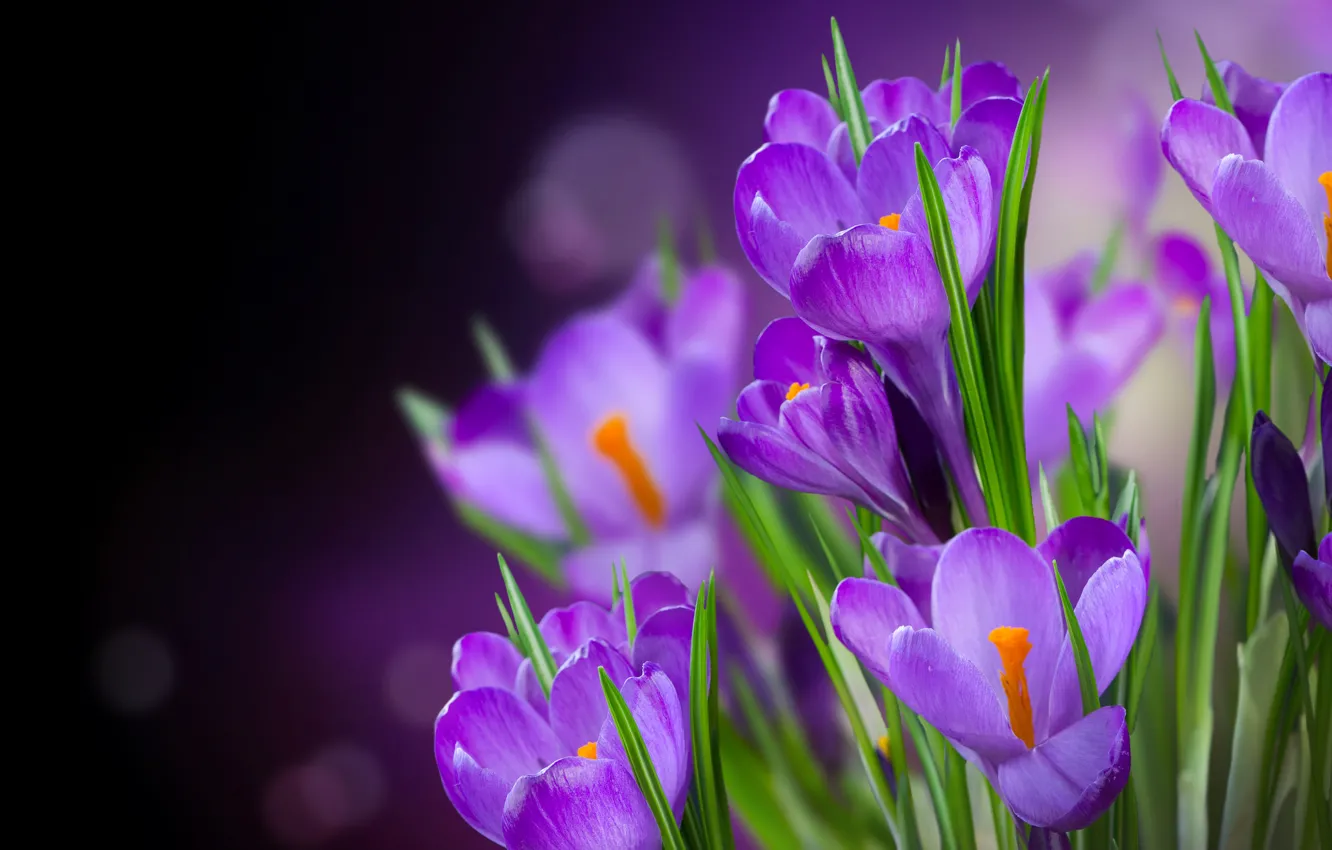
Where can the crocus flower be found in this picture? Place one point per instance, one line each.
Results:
(1186, 277)
(1278, 209)
(1081, 349)
(1254, 98)
(994, 672)
(1279, 478)
(1141, 168)
(817, 420)
(616, 397)
(525, 771)
(878, 283)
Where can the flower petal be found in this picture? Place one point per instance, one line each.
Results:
(664, 639)
(786, 352)
(688, 550)
(1182, 267)
(1254, 98)
(504, 480)
(913, 566)
(494, 412)
(761, 402)
(1080, 547)
(989, 127)
(887, 177)
(1279, 478)
(1067, 782)
(1271, 226)
(653, 592)
(799, 115)
(709, 318)
(872, 284)
(776, 456)
(566, 629)
(1119, 327)
(1142, 165)
(579, 804)
(1312, 578)
(785, 194)
(865, 613)
(1109, 614)
(577, 703)
(979, 81)
(484, 792)
(1195, 137)
(1318, 327)
(484, 660)
(890, 101)
(950, 693)
(660, 715)
(528, 689)
(987, 578)
(1299, 141)
(842, 155)
(964, 182)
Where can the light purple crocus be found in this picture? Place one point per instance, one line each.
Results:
(1254, 99)
(1141, 168)
(1186, 276)
(1081, 349)
(1277, 208)
(994, 670)
(616, 396)
(817, 420)
(1279, 478)
(530, 772)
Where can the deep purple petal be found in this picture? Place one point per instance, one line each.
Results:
(870, 283)
(577, 703)
(1278, 476)
(920, 453)
(664, 639)
(1080, 546)
(1299, 141)
(989, 126)
(913, 566)
(485, 660)
(1254, 98)
(786, 352)
(579, 804)
(493, 412)
(802, 194)
(950, 693)
(1195, 137)
(689, 551)
(661, 718)
(1312, 578)
(979, 81)
(484, 792)
(890, 101)
(1325, 437)
(761, 402)
(865, 613)
(964, 182)
(1182, 268)
(987, 578)
(887, 177)
(799, 115)
(653, 592)
(843, 155)
(566, 629)
(1109, 614)
(1271, 226)
(774, 455)
(1068, 781)
(506, 481)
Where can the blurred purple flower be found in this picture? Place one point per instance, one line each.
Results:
(1279, 478)
(1082, 348)
(998, 639)
(1142, 168)
(527, 771)
(1186, 277)
(616, 396)
(817, 420)
(1278, 209)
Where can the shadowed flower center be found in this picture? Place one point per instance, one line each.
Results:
(1326, 180)
(611, 440)
(891, 221)
(1013, 646)
(588, 750)
(795, 389)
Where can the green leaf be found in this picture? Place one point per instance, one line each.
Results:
(427, 417)
(1047, 501)
(1195, 759)
(630, 622)
(540, 556)
(508, 623)
(1259, 666)
(1140, 658)
(615, 585)
(1321, 814)
(836, 102)
(708, 783)
(533, 644)
(498, 365)
(955, 110)
(1219, 93)
(921, 733)
(1109, 254)
(857, 120)
(669, 260)
(1082, 463)
(1091, 699)
(1175, 91)
(1101, 467)
(641, 763)
(573, 523)
(823, 517)
(876, 558)
(947, 66)
(959, 800)
(752, 792)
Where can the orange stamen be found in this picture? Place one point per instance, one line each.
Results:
(884, 747)
(611, 440)
(1013, 646)
(795, 389)
(891, 221)
(1184, 305)
(588, 750)
(1326, 180)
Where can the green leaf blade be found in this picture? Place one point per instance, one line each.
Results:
(857, 119)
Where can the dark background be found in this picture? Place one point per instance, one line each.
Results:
(293, 211)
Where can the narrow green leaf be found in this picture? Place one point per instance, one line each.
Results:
(876, 558)
(955, 110)
(959, 799)
(836, 101)
(723, 806)
(1082, 463)
(1260, 374)
(1047, 501)
(1175, 91)
(947, 66)
(857, 120)
(934, 779)
(630, 622)
(1218, 86)
(543, 663)
(824, 517)
(1091, 698)
(840, 570)
(752, 791)
(1195, 759)
(427, 417)
(705, 779)
(540, 556)
(1109, 254)
(615, 585)
(1322, 814)
(508, 624)
(573, 523)
(896, 754)
(641, 763)
(669, 259)
(1127, 504)
(1140, 658)
(498, 365)
(1101, 467)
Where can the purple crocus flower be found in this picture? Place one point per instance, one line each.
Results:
(1279, 478)
(525, 771)
(1254, 99)
(1278, 209)
(1141, 168)
(1186, 277)
(817, 420)
(994, 672)
(1082, 348)
(616, 396)
(879, 284)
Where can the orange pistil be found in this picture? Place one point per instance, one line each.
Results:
(891, 221)
(1325, 179)
(1013, 646)
(795, 389)
(588, 750)
(611, 440)
(884, 746)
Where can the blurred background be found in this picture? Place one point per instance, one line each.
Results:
(277, 580)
